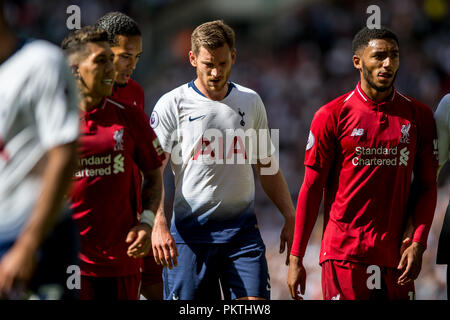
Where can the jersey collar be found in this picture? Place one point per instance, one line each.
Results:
(192, 85)
(100, 106)
(361, 95)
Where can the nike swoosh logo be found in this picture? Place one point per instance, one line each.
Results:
(192, 119)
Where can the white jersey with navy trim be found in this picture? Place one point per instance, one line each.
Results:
(38, 111)
(211, 159)
(442, 117)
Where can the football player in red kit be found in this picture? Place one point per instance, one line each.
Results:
(125, 40)
(114, 140)
(362, 151)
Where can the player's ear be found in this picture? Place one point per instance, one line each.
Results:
(356, 61)
(233, 56)
(192, 59)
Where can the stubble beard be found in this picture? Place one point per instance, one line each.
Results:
(368, 77)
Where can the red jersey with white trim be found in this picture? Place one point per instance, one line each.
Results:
(368, 151)
(113, 139)
(130, 94)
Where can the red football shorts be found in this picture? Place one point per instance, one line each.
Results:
(151, 272)
(346, 280)
(117, 288)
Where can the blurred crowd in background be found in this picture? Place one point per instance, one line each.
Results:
(297, 55)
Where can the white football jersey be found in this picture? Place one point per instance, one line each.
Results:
(213, 145)
(442, 117)
(38, 111)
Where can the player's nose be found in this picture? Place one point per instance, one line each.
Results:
(109, 68)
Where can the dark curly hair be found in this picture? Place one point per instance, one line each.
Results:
(115, 24)
(363, 37)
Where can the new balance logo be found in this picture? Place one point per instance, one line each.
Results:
(404, 156)
(119, 164)
(357, 132)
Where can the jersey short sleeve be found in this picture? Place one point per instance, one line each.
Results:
(265, 147)
(320, 148)
(56, 110)
(442, 117)
(163, 120)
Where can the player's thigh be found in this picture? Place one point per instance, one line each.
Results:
(345, 280)
(245, 273)
(196, 276)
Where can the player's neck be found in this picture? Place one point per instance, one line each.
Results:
(216, 96)
(375, 95)
(89, 102)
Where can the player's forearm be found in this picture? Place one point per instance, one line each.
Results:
(55, 182)
(152, 190)
(160, 216)
(276, 188)
(308, 205)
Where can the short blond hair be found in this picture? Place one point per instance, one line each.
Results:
(212, 35)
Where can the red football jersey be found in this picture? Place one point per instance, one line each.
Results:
(129, 94)
(132, 95)
(113, 140)
(368, 152)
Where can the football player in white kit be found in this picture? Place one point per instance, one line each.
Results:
(442, 117)
(38, 133)
(208, 129)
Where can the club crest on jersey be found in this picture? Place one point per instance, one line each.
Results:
(118, 138)
(310, 142)
(405, 133)
(242, 114)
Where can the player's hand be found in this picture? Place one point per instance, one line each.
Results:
(296, 279)
(139, 238)
(287, 236)
(16, 268)
(164, 248)
(407, 235)
(411, 261)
